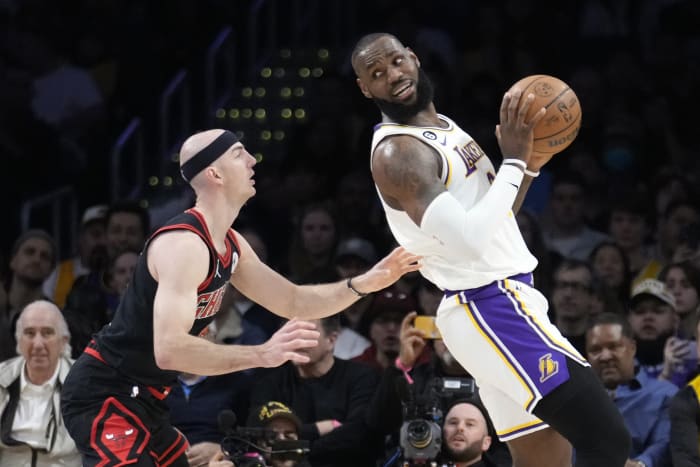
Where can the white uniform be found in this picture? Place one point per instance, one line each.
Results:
(492, 319)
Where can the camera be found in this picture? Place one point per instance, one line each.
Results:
(420, 436)
(241, 445)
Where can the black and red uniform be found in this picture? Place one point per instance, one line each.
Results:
(113, 398)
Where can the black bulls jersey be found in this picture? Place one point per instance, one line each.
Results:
(127, 342)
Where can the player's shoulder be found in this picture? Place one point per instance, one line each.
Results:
(398, 147)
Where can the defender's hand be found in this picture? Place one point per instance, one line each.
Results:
(288, 343)
(387, 271)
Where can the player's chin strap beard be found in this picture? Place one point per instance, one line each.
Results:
(207, 155)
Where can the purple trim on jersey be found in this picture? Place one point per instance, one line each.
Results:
(518, 305)
(541, 367)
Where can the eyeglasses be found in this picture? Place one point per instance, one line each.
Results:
(575, 286)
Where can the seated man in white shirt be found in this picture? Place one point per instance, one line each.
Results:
(31, 427)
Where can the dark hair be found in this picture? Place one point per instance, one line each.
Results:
(624, 290)
(35, 233)
(678, 203)
(133, 207)
(331, 324)
(691, 273)
(611, 318)
(365, 41)
(568, 264)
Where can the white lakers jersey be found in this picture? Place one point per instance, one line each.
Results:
(467, 174)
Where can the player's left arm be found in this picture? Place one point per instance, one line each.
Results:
(263, 285)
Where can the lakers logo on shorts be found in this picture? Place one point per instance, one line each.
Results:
(548, 367)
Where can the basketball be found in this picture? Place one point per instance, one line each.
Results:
(559, 126)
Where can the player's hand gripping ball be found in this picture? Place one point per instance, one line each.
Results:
(560, 124)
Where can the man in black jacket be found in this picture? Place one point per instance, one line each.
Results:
(330, 396)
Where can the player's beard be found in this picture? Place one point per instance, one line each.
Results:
(401, 113)
(469, 453)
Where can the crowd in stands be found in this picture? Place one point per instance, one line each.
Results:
(614, 220)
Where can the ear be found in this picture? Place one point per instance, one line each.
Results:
(413, 55)
(333, 337)
(485, 443)
(363, 88)
(213, 173)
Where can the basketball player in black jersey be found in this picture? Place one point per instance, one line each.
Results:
(113, 400)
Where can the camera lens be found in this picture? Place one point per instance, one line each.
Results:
(419, 434)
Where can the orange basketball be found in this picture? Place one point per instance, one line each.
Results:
(559, 126)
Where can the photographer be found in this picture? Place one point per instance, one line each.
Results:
(403, 389)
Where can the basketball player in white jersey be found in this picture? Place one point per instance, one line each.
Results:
(444, 200)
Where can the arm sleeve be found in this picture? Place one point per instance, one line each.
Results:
(684, 414)
(463, 230)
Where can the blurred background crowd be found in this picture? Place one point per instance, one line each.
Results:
(96, 96)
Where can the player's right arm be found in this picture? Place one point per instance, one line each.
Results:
(179, 261)
(407, 173)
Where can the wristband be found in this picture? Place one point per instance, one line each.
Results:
(354, 290)
(399, 365)
(514, 161)
(532, 174)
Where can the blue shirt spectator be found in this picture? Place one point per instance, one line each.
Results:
(642, 399)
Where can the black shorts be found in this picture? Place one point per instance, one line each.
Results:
(114, 421)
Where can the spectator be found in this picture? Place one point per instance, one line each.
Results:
(642, 400)
(32, 258)
(121, 270)
(428, 296)
(33, 432)
(683, 281)
(685, 423)
(467, 434)
(654, 320)
(382, 324)
(312, 249)
(284, 425)
(255, 320)
(629, 228)
(354, 255)
(567, 232)
(572, 298)
(128, 225)
(330, 396)
(547, 259)
(91, 257)
(196, 401)
(611, 267)
(678, 215)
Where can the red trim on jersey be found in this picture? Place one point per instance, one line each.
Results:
(191, 228)
(226, 257)
(168, 458)
(94, 353)
(160, 395)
